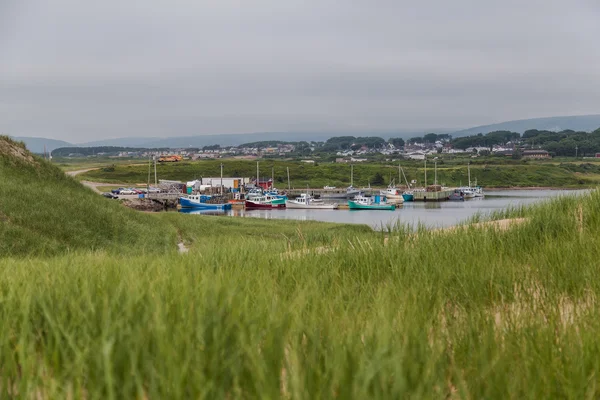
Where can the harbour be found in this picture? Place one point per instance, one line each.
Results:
(429, 214)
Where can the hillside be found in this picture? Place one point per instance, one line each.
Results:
(45, 212)
(584, 123)
(36, 144)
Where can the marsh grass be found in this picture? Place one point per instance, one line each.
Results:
(481, 314)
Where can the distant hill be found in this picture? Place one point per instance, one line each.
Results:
(241, 138)
(120, 142)
(586, 123)
(36, 144)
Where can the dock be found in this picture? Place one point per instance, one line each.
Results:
(441, 195)
(339, 194)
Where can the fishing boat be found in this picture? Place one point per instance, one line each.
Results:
(471, 191)
(202, 202)
(467, 192)
(408, 194)
(264, 202)
(456, 195)
(392, 194)
(276, 194)
(369, 203)
(306, 201)
(350, 192)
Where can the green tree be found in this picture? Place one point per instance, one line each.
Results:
(397, 142)
(377, 179)
(430, 138)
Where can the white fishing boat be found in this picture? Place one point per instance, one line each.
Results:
(470, 192)
(392, 195)
(306, 201)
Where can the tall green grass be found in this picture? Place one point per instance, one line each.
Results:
(477, 313)
(265, 309)
(44, 212)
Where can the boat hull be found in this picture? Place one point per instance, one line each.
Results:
(408, 197)
(356, 206)
(268, 206)
(311, 206)
(187, 203)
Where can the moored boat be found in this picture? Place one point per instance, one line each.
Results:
(306, 201)
(202, 202)
(408, 196)
(369, 203)
(265, 202)
(392, 193)
(456, 195)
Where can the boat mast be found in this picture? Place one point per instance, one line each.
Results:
(221, 179)
(469, 171)
(425, 185)
(272, 177)
(351, 175)
(407, 184)
(289, 186)
(435, 172)
(257, 179)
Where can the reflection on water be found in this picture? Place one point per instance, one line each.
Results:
(203, 212)
(430, 214)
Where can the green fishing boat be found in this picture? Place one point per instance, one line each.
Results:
(369, 203)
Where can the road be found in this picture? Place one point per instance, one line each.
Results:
(94, 185)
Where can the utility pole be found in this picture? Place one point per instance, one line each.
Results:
(425, 186)
(155, 179)
(221, 179)
(148, 183)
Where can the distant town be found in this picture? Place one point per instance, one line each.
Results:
(531, 144)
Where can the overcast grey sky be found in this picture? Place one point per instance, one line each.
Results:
(86, 70)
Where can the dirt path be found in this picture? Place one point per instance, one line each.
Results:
(94, 185)
(81, 171)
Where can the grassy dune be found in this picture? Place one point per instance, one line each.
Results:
(261, 309)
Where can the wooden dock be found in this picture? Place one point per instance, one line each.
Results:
(441, 195)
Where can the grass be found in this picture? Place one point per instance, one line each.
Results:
(493, 173)
(44, 212)
(256, 310)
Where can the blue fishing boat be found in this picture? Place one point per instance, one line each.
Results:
(202, 202)
(408, 196)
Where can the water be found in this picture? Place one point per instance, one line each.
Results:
(432, 215)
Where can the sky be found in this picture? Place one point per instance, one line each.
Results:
(80, 70)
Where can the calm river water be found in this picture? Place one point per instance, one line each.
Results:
(432, 215)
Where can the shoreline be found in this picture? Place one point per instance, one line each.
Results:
(499, 188)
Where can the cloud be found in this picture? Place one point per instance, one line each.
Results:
(83, 71)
